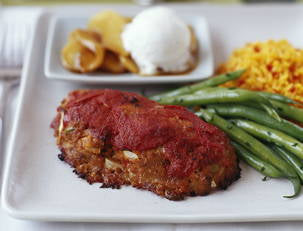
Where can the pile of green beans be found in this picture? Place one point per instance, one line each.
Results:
(263, 127)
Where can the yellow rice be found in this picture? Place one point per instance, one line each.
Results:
(273, 66)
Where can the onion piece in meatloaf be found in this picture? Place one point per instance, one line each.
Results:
(121, 138)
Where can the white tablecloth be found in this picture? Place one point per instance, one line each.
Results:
(10, 224)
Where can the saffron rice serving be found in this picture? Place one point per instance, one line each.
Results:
(273, 66)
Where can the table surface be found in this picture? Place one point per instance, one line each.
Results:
(8, 223)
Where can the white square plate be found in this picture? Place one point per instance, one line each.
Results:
(39, 186)
(60, 27)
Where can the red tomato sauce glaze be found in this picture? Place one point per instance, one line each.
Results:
(132, 122)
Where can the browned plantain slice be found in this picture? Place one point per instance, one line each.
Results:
(129, 64)
(78, 58)
(110, 25)
(83, 52)
(128, 19)
(85, 35)
(112, 63)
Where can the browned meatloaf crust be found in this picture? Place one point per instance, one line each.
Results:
(121, 138)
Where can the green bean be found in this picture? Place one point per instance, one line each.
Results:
(273, 96)
(291, 159)
(288, 111)
(215, 95)
(272, 135)
(263, 167)
(271, 112)
(210, 82)
(297, 187)
(284, 110)
(234, 110)
(278, 97)
(243, 138)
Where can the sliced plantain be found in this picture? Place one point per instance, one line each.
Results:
(110, 25)
(129, 64)
(78, 58)
(128, 19)
(86, 37)
(112, 63)
(83, 51)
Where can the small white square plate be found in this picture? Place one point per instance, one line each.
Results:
(60, 28)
